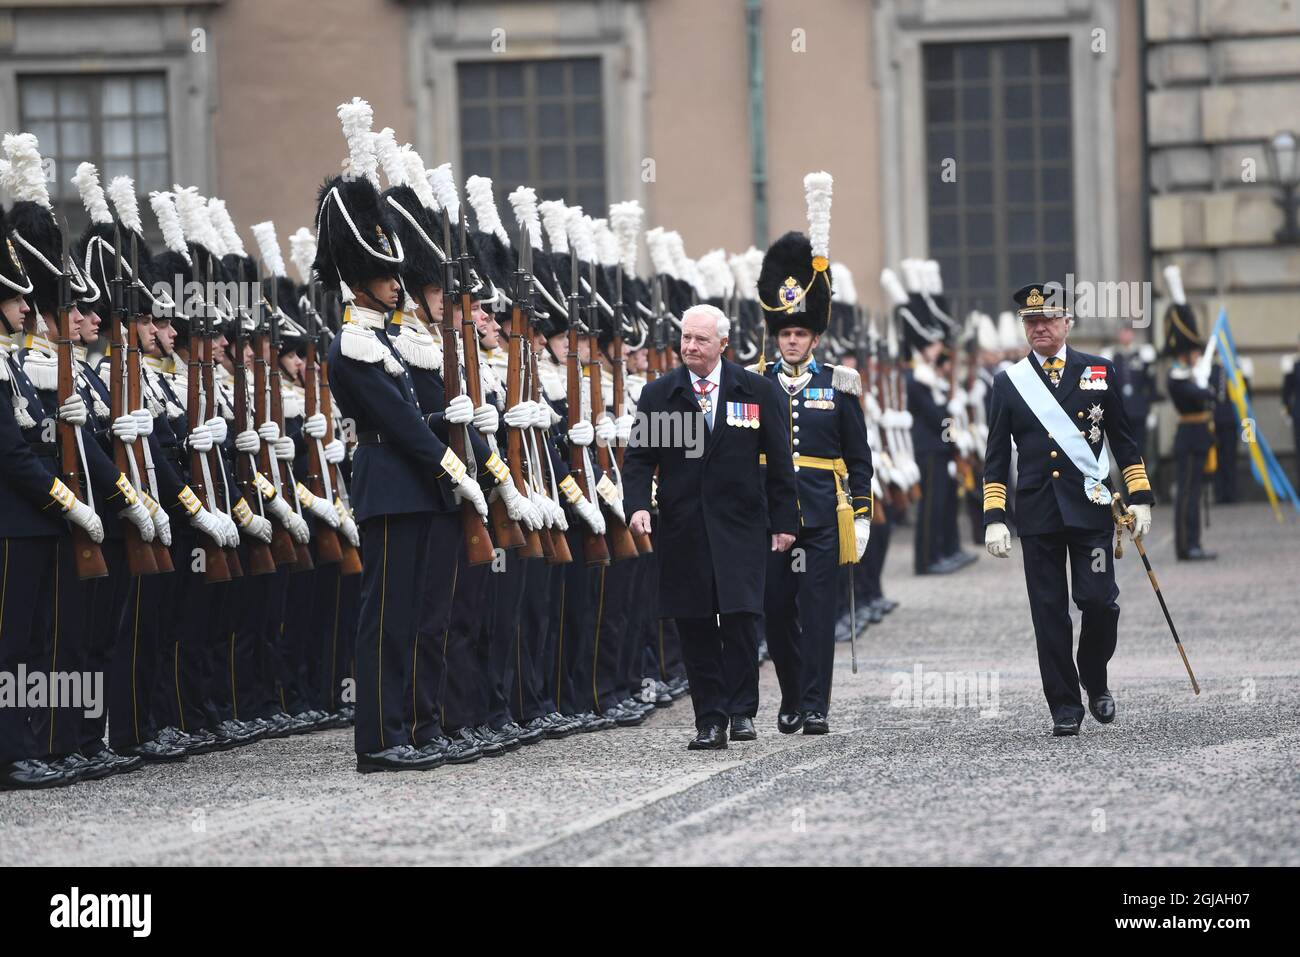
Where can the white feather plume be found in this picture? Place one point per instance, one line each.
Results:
(817, 192)
(715, 274)
(740, 275)
(625, 219)
(25, 180)
(524, 202)
(4, 176)
(1011, 334)
(842, 286)
(912, 275)
(661, 258)
(677, 250)
(194, 224)
(302, 250)
(169, 222)
(893, 288)
(443, 183)
(390, 157)
(478, 190)
(269, 246)
(122, 192)
(754, 260)
(580, 237)
(931, 278)
(987, 334)
(92, 194)
(225, 227)
(356, 119)
(1174, 283)
(606, 244)
(555, 219)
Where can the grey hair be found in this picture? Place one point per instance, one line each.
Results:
(718, 316)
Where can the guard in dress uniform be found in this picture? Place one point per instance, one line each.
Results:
(1058, 407)
(399, 460)
(1136, 367)
(1227, 429)
(1189, 390)
(832, 461)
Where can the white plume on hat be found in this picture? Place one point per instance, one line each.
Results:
(169, 221)
(25, 179)
(930, 278)
(302, 250)
(842, 287)
(913, 275)
(893, 288)
(1174, 283)
(92, 195)
(417, 178)
(580, 237)
(478, 190)
(1011, 334)
(606, 244)
(444, 191)
(817, 188)
(225, 227)
(356, 119)
(524, 202)
(745, 281)
(555, 219)
(122, 192)
(389, 156)
(661, 257)
(715, 274)
(269, 246)
(987, 334)
(196, 226)
(625, 220)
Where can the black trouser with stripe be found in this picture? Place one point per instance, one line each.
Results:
(572, 660)
(532, 694)
(27, 571)
(608, 592)
(394, 553)
(1091, 561)
(444, 565)
(106, 603)
(463, 700)
(800, 600)
(1190, 446)
(499, 651)
(932, 510)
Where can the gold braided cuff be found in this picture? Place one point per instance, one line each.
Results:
(128, 491)
(1135, 477)
(500, 471)
(264, 486)
(995, 496)
(189, 501)
(572, 493)
(62, 494)
(242, 513)
(453, 466)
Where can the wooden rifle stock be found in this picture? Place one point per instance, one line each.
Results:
(89, 557)
(532, 547)
(260, 559)
(162, 555)
(619, 535)
(214, 558)
(351, 555)
(218, 466)
(140, 558)
(302, 554)
(594, 550)
(561, 555)
(282, 544)
(329, 548)
(640, 539)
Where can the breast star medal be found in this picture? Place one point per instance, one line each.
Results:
(1094, 413)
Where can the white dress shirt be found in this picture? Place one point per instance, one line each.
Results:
(716, 378)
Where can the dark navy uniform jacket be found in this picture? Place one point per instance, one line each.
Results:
(1137, 383)
(825, 420)
(1049, 488)
(1190, 399)
(399, 474)
(927, 418)
(714, 519)
(28, 466)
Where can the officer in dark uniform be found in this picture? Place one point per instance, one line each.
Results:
(1059, 408)
(1189, 390)
(832, 459)
(399, 459)
(1135, 365)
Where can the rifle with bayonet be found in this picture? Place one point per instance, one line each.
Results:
(140, 556)
(537, 544)
(302, 554)
(619, 374)
(283, 548)
(260, 559)
(88, 555)
(351, 563)
(216, 568)
(208, 365)
(329, 546)
(594, 550)
(619, 535)
(478, 542)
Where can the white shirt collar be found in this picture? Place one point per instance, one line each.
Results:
(715, 376)
(1042, 359)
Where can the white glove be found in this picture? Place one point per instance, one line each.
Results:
(486, 419)
(284, 449)
(539, 503)
(138, 515)
(229, 529)
(518, 507)
(200, 439)
(83, 515)
(591, 515)
(290, 519)
(997, 539)
(319, 507)
(623, 427)
(217, 426)
(467, 490)
(334, 452)
(248, 442)
(956, 407)
(74, 410)
(126, 430)
(259, 527)
(459, 411)
(582, 433)
(269, 431)
(143, 421)
(207, 523)
(315, 426)
(520, 415)
(349, 529)
(605, 431)
(544, 416)
(861, 534)
(161, 523)
(1141, 520)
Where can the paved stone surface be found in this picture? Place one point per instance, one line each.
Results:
(1177, 779)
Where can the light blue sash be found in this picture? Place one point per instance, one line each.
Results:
(1041, 401)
